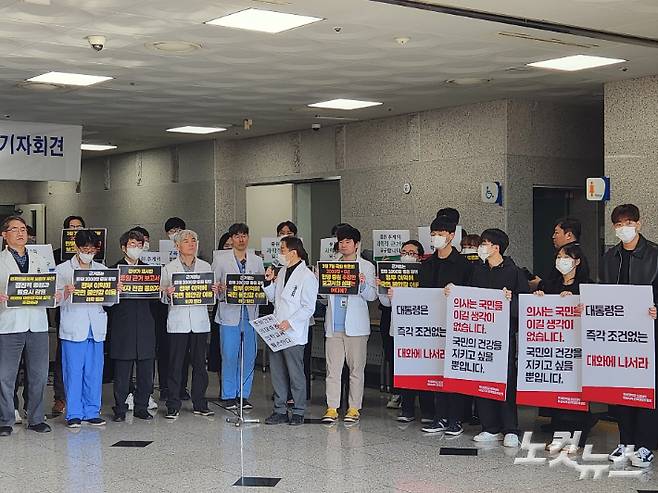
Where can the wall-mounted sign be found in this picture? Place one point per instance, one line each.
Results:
(492, 193)
(598, 189)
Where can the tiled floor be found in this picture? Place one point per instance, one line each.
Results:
(200, 454)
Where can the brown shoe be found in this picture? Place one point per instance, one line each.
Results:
(59, 406)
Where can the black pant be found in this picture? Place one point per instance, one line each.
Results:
(571, 421)
(426, 399)
(162, 345)
(308, 358)
(214, 352)
(387, 347)
(58, 376)
(25, 390)
(178, 344)
(501, 416)
(638, 426)
(122, 380)
(449, 406)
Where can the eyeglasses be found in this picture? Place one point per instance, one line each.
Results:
(16, 229)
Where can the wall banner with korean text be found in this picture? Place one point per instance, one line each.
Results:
(95, 286)
(31, 290)
(550, 353)
(418, 317)
(39, 151)
(398, 275)
(386, 243)
(245, 289)
(338, 277)
(267, 328)
(477, 342)
(140, 282)
(618, 345)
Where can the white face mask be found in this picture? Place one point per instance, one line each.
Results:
(439, 242)
(408, 258)
(86, 258)
(469, 251)
(483, 252)
(626, 233)
(283, 260)
(565, 265)
(147, 246)
(134, 252)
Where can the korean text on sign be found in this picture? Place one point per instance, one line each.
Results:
(338, 278)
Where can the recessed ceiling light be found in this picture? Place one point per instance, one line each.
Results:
(97, 147)
(576, 62)
(66, 79)
(174, 46)
(267, 21)
(468, 81)
(196, 130)
(344, 104)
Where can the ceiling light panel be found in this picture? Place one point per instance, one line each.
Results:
(267, 21)
(97, 147)
(69, 79)
(344, 104)
(576, 62)
(190, 129)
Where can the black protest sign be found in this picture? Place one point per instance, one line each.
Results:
(31, 290)
(338, 277)
(245, 289)
(398, 275)
(95, 286)
(193, 288)
(140, 282)
(68, 243)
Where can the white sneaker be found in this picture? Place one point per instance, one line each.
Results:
(642, 458)
(394, 402)
(130, 401)
(618, 454)
(18, 419)
(511, 440)
(152, 403)
(485, 436)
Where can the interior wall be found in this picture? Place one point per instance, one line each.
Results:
(267, 206)
(13, 192)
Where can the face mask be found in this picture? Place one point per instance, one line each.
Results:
(147, 245)
(408, 258)
(134, 252)
(86, 258)
(283, 260)
(171, 236)
(469, 251)
(439, 242)
(626, 233)
(483, 252)
(565, 265)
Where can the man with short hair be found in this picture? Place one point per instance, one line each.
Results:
(21, 329)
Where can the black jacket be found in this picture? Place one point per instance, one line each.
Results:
(438, 273)
(132, 327)
(554, 275)
(506, 275)
(643, 267)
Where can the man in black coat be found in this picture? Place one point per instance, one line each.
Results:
(132, 339)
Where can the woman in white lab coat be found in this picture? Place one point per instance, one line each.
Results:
(293, 293)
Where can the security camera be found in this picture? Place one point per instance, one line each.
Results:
(338, 29)
(96, 41)
(315, 127)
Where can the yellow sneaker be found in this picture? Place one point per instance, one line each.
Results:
(352, 415)
(331, 415)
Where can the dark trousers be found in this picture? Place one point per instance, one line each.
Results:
(162, 346)
(501, 416)
(35, 345)
(308, 358)
(214, 351)
(122, 383)
(287, 369)
(178, 344)
(426, 399)
(571, 421)
(25, 390)
(388, 348)
(638, 426)
(58, 378)
(449, 406)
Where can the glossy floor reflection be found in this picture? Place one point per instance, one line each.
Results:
(199, 454)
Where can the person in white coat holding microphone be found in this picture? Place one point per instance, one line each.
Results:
(293, 293)
(189, 324)
(347, 328)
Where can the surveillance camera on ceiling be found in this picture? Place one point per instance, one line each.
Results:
(96, 41)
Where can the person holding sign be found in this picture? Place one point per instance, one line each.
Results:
(21, 329)
(132, 339)
(234, 326)
(499, 419)
(347, 328)
(187, 325)
(634, 260)
(573, 273)
(83, 327)
(293, 293)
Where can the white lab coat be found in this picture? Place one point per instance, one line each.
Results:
(75, 319)
(225, 263)
(15, 320)
(184, 319)
(295, 302)
(357, 318)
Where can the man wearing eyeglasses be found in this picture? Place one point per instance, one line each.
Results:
(21, 329)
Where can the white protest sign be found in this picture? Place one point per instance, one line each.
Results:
(477, 342)
(39, 151)
(618, 345)
(46, 251)
(425, 238)
(418, 317)
(327, 249)
(151, 258)
(550, 355)
(269, 249)
(266, 327)
(387, 242)
(168, 251)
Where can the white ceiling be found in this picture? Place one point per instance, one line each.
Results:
(271, 78)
